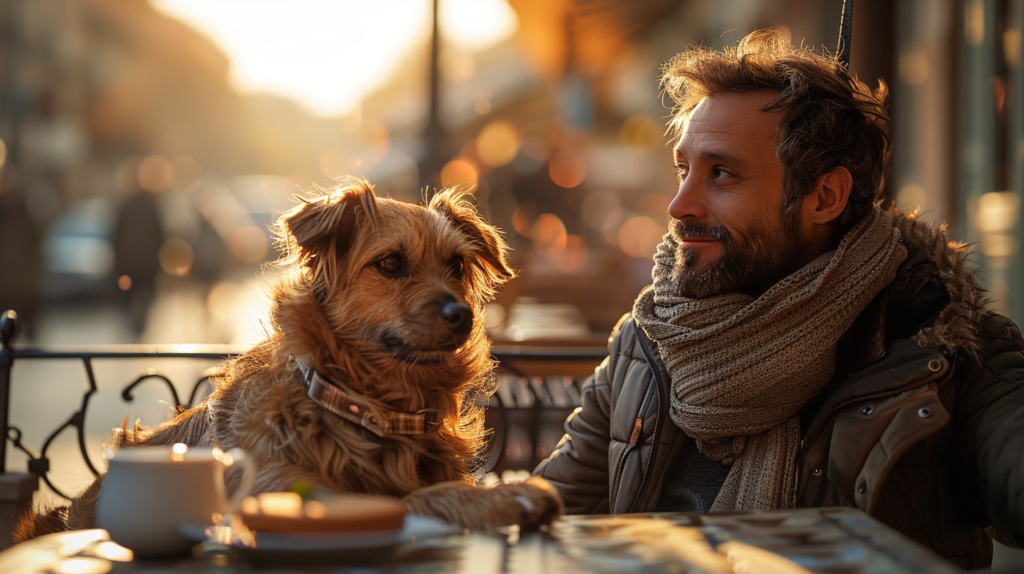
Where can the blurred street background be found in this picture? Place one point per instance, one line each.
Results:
(145, 147)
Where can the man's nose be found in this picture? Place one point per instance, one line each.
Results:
(689, 202)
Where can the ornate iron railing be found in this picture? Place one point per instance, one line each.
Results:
(538, 387)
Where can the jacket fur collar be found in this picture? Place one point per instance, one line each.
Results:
(932, 255)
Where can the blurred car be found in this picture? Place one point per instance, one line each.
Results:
(78, 254)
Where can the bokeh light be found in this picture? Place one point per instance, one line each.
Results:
(124, 282)
(176, 257)
(3, 153)
(567, 169)
(249, 243)
(998, 211)
(477, 24)
(459, 172)
(523, 218)
(156, 174)
(549, 235)
(640, 236)
(912, 196)
(914, 68)
(999, 245)
(498, 143)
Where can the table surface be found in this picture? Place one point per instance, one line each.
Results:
(826, 540)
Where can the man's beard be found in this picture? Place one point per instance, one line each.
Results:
(750, 265)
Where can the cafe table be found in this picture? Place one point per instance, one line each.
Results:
(822, 540)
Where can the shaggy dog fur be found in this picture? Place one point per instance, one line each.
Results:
(363, 307)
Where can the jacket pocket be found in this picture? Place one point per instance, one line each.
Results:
(920, 417)
(870, 436)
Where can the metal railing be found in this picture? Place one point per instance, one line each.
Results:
(538, 387)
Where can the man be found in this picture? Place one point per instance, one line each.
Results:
(800, 346)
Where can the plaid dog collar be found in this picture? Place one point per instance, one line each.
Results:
(346, 404)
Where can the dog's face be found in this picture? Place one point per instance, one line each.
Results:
(402, 279)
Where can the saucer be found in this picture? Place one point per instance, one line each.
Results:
(275, 547)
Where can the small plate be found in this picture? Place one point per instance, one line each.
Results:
(274, 547)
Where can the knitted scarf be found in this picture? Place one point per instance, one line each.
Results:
(742, 368)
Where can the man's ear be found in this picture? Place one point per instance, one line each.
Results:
(454, 205)
(324, 221)
(830, 196)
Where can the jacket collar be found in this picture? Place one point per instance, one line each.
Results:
(936, 264)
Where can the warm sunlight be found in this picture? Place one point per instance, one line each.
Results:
(328, 53)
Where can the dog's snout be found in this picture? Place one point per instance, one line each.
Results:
(457, 317)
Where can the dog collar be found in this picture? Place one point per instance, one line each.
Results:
(343, 402)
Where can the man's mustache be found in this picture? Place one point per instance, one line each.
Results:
(682, 230)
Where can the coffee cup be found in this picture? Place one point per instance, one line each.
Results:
(148, 491)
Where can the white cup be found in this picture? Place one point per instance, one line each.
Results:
(149, 490)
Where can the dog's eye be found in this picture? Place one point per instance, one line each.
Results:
(391, 264)
(457, 265)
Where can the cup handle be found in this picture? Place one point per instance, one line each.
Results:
(238, 456)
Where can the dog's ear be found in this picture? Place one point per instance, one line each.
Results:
(325, 220)
(455, 206)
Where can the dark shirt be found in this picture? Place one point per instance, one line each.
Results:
(692, 481)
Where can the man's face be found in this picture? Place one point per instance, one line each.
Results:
(727, 215)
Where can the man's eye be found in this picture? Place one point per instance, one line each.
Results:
(457, 265)
(391, 264)
(681, 171)
(719, 173)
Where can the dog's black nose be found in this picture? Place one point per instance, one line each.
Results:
(457, 317)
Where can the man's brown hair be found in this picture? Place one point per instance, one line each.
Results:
(829, 118)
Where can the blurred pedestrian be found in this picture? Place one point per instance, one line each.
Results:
(20, 255)
(138, 236)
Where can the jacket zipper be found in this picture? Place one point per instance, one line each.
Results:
(654, 447)
(632, 442)
(653, 362)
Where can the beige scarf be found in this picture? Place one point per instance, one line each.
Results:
(742, 368)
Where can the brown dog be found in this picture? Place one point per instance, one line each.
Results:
(367, 381)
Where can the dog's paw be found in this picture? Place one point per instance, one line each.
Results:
(538, 502)
(530, 504)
